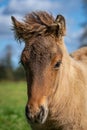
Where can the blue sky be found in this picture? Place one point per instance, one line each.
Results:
(70, 9)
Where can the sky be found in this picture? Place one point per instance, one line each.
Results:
(70, 9)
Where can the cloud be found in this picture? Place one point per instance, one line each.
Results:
(19, 8)
(5, 24)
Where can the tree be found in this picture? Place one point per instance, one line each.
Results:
(2, 72)
(83, 38)
(8, 63)
(19, 73)
(6, 70)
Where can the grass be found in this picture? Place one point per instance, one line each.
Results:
(12, 106)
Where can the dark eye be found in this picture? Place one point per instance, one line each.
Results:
(57, 65)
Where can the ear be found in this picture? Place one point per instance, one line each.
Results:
(19, 29)
(58, 28)
(60, 21)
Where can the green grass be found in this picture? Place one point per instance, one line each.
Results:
(13, 98)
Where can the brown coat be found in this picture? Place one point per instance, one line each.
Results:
(67, 102)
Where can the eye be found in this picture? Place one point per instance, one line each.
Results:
(57, 65)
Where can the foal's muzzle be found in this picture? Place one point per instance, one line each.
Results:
(37, 117)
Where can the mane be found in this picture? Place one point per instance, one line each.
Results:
(34, 24)
(38, 19)
(37, 23)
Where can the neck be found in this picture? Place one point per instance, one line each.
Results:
(68, 98)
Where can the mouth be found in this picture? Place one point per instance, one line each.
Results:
(39, 118)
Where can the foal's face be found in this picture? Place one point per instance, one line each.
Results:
(41, 60)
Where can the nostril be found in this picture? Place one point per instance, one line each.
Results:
(41, 114)
(26, 109)
(42, 110)
(27, 112)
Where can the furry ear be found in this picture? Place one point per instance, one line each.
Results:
(19, 29)
(60, 21)
(58, 28)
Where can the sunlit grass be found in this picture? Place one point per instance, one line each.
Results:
(12, 106)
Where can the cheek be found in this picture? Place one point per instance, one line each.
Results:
(50, 80)
(50, 87)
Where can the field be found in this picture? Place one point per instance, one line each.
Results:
(12, 106)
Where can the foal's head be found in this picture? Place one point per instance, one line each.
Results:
(41, 58)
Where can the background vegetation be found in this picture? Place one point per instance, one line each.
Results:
(7, 70)
(12, 102)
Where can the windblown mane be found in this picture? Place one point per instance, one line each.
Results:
(35, 23)
(38, 23)
(38, 19)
